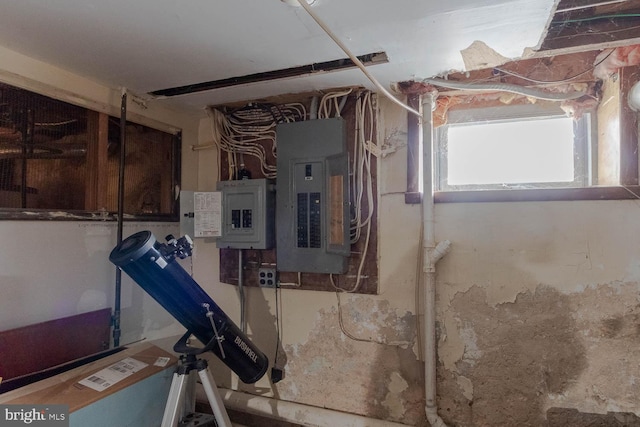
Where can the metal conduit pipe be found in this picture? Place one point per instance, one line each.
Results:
(123, 143)
(297, 413)
(504, 87)
(44, 151)
(432, 253)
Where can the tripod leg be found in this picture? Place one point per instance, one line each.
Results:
(210, 388)
(190, 394)
(175, 401)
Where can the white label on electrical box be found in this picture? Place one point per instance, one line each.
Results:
(110, 375)
(207, 209)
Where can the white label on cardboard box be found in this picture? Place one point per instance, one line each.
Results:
(110, 375)
(161, 361)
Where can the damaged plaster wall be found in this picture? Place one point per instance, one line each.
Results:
(538, 304)
(538, 308)
(379, 375)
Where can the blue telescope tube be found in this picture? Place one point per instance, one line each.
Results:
(153, 268)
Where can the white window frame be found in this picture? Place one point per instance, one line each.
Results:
(585, 145)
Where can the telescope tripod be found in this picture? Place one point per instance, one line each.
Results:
(180, 407)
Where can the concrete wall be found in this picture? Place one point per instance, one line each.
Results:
(53, 269)
(538, 307)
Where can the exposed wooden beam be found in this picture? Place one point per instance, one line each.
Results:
(628, 129)
(97, 142)
(589, 33)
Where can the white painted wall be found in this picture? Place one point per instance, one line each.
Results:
(50, 270)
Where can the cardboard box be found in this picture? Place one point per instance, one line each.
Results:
(136, 400)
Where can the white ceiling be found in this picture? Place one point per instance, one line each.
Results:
(148, 45)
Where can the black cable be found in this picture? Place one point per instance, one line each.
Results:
(275, 357)
(283, 117)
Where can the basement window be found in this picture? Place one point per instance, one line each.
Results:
(61, 161)
(514, 147)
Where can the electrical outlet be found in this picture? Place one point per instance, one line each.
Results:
(267, 277)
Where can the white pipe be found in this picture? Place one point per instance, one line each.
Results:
(441, 249)
(586, 6)
(432, 254)
(354, 58)
(297, 413)
(504, 87)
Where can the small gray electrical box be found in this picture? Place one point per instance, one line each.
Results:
(248, 214)
(313, 197)
(187, 216)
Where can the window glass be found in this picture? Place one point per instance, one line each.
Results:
(55, 156)
(43, 146)
(513, 148)
(511, 152)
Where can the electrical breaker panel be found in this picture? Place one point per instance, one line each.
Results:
(312, 201)
(248, 214)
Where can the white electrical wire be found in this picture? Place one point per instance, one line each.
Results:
(355, 59)
(236, 140)
(330, 101)
(503, 87)
(531, 92)
(361, 181)
(246, 131)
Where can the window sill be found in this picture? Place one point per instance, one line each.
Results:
(61, 215)
(539, 195)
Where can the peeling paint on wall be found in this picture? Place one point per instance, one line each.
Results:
(381, 378)
(547, 356)
(479, 55)
(393, 402)
(561, 417)
(520, 352)
(608, 319)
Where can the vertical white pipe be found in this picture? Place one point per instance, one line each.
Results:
(429, 262)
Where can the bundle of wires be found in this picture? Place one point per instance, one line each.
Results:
(248, 130)
(245, 130)
(360, 169)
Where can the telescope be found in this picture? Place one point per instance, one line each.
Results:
(154, 267)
